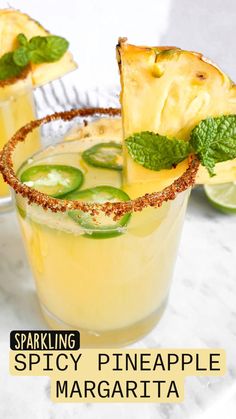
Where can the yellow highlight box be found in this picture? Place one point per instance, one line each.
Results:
(108, 375)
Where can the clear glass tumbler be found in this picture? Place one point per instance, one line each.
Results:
(108, 278)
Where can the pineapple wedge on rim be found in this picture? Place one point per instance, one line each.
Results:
(13, 22)
(168, 91)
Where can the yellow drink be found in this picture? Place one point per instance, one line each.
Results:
(16, 109)
(114, 289)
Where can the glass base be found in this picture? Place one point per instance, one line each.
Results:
(6, 204)
(107, 339)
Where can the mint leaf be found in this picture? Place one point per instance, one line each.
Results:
(36, 48)
(214, 141)
(37, 43)
(56, 47)
(8, 68)
(47, 49)
(21, 56)
(155, 151)
(22, 40)
(40, 49)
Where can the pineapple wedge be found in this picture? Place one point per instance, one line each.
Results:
(168, 91)
(13, 22)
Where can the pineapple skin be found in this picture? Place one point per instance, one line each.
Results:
(168, 90)
(13, 22)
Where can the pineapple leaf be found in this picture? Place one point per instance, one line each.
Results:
(156, 152)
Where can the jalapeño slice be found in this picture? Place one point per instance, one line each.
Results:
(53, 179)
(102, 226)
(105, 155)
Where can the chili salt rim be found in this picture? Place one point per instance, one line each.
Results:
(154, 199)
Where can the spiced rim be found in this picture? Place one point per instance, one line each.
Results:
(154, 199)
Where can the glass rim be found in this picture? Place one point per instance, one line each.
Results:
(118, 209)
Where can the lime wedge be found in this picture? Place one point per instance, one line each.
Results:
(222, 196)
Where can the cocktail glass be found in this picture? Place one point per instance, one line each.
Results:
(16, 109)
(112, 288)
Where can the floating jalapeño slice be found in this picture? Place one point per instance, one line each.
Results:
(105, 155)
(54, 180)
(102, 226)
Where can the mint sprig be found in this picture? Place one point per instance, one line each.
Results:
(8, 67)
(21, 57)
(47, 49)
(22, 40)
(213, 141)
(39, 49)
(155, 151)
